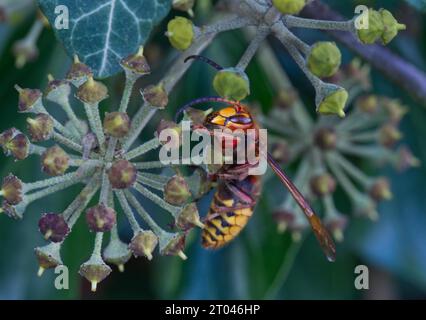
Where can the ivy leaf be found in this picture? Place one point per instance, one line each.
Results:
(102, 32)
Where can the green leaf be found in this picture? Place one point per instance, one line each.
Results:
(102, 32)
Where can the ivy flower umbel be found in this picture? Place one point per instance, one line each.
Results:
(328, 150)
(96, 152)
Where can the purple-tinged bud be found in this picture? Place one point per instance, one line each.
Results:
(283, 218)
(389, 135)
(136, 64)
(117, 124)
(92, 92)
(404, 159)
(380, 190)
(12, 189)
(18, 146)
(173, 244)
(143, 244)
(286, 99)
(323, 184)
(395, 110)
(156, 96)
(14, 211)
(122, 174)
(176, 191)
(78, 73)
(280, 151)
(336, 224)
(48, 257)
(189, 218)
(7, 135)
(95, 270)
(40, 128)
(326, 138)
(174, 133)
(29, 99)
(55, 161)
(53, 227)
(100, 218)
(57, 89)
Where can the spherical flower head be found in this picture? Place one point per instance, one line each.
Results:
(156, 96)
(18, 145)
(232, 84)
(391, 26)
(79, 73)
(174, 132)
(11, 189)
(380, 190)
(289, 6)
(122, 174)
(375, 28)
(326, 138)
(323, 184)
(53, 227)
(136, 64)
(180, 32)
(368, 104)
(40, 128)
(117, 124)
(176, 191)
(95, 270)
(92, 92)
(29, 99)
(189, 218)
(55, 161)
(143, 244)
(324, 59)
(48, 257)
(172, 244)
(334, 103)
(100, 218)
(118, 253)
(389, 135)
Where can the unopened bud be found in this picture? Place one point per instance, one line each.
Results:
(117, 124)
(326, 138)
(324, 59)
(100, 218)
(391, 26)
(79, 73)
(174, 132)
(92, 92)
(143, 244)
(368, 104)
(189, 218)
(11, 189)
(322, 185)
(180, 32)
(136, 64)
(40, 128)
(29, 99)
(332, 102)
(231, 84)
(375, 28)
(380, 190)
(53, 227)
(156, 96)
(55, 161)
(289, 6)
(122, 174)
(389, 135)
(172, 244)
(176, 191)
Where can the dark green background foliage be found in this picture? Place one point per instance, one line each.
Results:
(260, 263)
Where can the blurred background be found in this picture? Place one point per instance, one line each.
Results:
(261, 263)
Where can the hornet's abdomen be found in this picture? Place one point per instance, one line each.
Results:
(229, 213)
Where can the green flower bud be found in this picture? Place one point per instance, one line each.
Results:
(180, 32)
(118, 253)
(92, 92)
(117, 124)
(391, 26)
(322, 185)
(176, 191)
(333, 102)
(184, 5)
(143, 244)
(48, 257)
(29, 99)
(324, 59)
(40, 128)
(122, 174)
(11, 189)
(156, 96)
(375, 28)
(55, 161)
(136, 64)
(232, 84)
(95, 270)
(79, 73)
(380, 190)
(289, 6)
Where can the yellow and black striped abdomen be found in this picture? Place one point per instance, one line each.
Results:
(228, 214)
